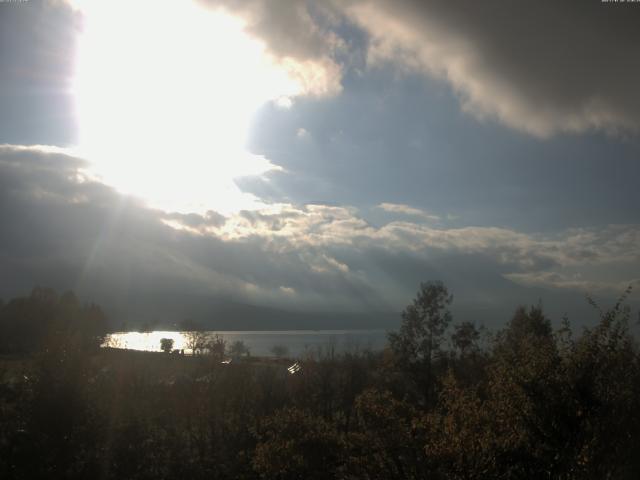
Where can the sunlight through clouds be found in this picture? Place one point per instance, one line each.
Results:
(165, 93)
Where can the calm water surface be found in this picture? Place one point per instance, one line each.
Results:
(260, 343)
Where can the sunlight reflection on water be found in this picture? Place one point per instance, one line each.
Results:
(260, 343)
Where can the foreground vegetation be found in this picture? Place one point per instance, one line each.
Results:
(442, 401)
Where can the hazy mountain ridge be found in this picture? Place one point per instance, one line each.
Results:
(169, 311)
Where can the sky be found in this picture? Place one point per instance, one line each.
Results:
(173, 159)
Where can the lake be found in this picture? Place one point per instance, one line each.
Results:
(297, 342)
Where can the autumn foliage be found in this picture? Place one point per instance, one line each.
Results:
(444, 401)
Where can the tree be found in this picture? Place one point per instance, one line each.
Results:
(166, 345)
(603, 375)
(279, 351)
(525, 325)
(43, 320)
(465, 338)
(216, 346)
(424, 323)
(238, 349)
(463, 434)
(196, 341)
(389, 440)
(295, 444)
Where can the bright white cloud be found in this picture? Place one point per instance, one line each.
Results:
(528, 259)
(573, 282)
(302, 42)
(402, 209)
(302, 133)
(165, 95)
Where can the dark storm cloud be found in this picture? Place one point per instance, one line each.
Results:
(539, 66)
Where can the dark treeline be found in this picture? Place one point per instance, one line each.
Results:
(43, 320)
(443, 401)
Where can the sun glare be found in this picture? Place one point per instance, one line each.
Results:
(165, 93)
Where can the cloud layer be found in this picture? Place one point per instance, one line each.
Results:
(542, 67)
(382, 182)
(64, 230)
(296, 33)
